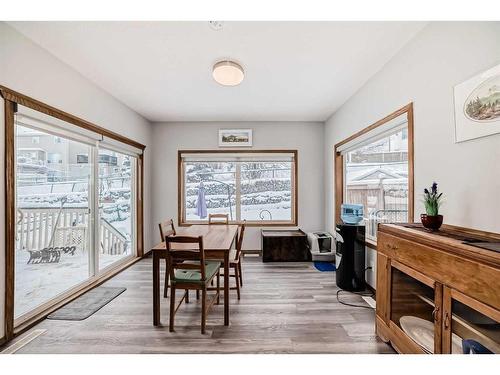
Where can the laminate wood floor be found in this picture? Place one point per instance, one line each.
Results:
(284, 308)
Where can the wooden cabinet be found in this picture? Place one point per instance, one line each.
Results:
(438, 292)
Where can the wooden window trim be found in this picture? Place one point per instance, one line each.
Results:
(338, 160)
(26, 101)
(295, 182)
(11, 100)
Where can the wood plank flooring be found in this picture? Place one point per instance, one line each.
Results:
(284, 308)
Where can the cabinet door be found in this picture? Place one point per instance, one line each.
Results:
(469, 326)
(416, 307)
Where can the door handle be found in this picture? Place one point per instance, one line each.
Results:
(446, 320)
(435, 313)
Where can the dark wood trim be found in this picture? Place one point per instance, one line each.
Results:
(140, 206)
(10, 218)
(39, 106)
(42, 314)
(339, 160)
(411, 163)
(295, 181)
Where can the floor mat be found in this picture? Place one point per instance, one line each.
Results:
(87, 304)
(324, 266)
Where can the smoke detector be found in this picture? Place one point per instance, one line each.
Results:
(216, 25)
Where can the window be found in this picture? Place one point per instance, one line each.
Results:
(259, 186)
(76, 208)
(375, 168)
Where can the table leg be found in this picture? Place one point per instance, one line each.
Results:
(226, 288)
(156, 288)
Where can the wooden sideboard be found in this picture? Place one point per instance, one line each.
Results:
(444, 278)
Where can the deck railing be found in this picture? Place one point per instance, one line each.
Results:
(36, 230)
(383, 216)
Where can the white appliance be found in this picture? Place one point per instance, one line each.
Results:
(321, 246)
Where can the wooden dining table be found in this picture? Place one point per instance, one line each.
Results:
(217, 243)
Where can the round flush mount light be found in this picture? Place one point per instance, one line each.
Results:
(228, 73)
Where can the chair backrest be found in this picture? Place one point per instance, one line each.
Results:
(239, 241)
(218, 219)
(167, 229)
(177, 257)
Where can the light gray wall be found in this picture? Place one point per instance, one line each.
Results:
(31, 70)
(307, 138)
(425, 71)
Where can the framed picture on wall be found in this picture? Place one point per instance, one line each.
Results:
(477, 106)
(235, 137)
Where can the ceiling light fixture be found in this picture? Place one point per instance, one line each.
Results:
(228, 73)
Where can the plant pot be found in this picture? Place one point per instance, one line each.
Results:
(432, 223)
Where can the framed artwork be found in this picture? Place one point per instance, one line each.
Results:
(477, 106)
(235, 137)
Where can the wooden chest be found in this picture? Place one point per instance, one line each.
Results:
(285, 246)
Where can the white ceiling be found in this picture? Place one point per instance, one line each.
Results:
(294, 71)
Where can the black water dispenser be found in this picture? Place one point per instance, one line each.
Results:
(350, 257)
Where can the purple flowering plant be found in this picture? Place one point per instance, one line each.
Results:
(432, 200)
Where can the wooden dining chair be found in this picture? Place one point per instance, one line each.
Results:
(167, 229)
(222, 219)
(189, 271)
(235, 261)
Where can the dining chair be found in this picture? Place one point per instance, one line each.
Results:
(235, 261)
(222, 219)
(189, 271)
(167, 228)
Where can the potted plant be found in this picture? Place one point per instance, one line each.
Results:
(432, 201)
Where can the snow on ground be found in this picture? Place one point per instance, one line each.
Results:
(38, 283)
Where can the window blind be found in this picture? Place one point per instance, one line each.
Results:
(238, 157)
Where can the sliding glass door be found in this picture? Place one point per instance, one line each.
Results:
(116, 206)
(75, 205)
(53, 206)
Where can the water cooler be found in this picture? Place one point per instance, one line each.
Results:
(350, 257)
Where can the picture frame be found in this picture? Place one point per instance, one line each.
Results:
(477, 106)
(235, 138)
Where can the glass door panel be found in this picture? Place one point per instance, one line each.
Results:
(116, 207)
(472, 331)
(412, 309)
(53, 247)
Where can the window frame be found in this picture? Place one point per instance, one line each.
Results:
(339, 164)
(180, 188)
(11, 100)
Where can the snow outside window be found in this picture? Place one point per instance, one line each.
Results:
(258, 189)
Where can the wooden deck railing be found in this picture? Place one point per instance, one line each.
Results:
(35, 228)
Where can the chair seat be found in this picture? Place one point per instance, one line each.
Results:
(194, 276)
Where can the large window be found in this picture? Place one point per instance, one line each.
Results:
(75, 205)
(375, 170)
(259, 187)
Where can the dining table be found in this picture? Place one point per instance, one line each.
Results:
(218, 240)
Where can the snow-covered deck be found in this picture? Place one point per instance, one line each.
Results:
(38, 283)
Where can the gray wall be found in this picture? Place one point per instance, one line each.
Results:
(425, 71)
(307, 138)
(31, 70)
